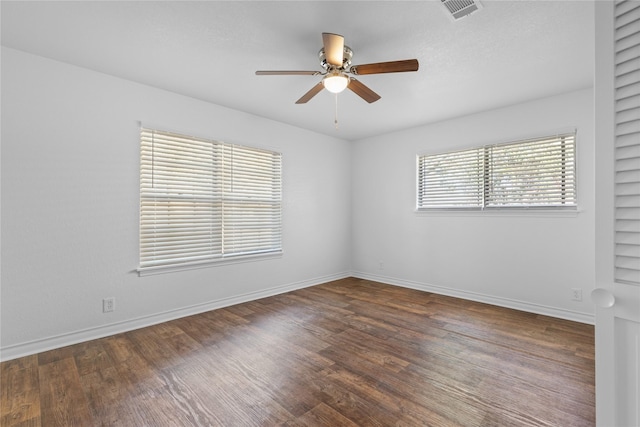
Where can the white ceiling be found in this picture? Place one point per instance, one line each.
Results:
(508, 52)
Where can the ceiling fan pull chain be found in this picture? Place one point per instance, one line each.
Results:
(335, 121)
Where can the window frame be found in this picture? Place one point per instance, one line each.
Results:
(484, 204)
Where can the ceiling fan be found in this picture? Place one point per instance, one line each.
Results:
(335, 58)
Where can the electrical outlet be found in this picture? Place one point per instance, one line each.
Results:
(108, 304)
(576, 294)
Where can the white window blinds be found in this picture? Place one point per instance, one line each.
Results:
(203, 201)
(539, 172)
(528, 174)
(627, 142)
(451, 180)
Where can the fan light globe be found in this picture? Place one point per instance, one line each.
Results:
(335, 83)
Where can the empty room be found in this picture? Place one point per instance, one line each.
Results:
(320, 213)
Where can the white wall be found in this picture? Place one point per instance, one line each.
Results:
(69, 210)
(526, 261)
(70, 154)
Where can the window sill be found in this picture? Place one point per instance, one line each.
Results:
(238, 259)
(505, 212)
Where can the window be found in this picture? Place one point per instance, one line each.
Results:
(203, 201)
(537, 173)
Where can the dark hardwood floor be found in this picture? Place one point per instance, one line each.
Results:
(346, 353)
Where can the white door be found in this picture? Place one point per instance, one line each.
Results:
(617, 268)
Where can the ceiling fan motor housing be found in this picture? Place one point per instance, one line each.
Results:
(346, 59)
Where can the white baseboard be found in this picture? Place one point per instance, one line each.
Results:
(82, 335)
(488, 299)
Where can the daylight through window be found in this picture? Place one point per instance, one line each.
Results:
(203, 201)
(536, 173)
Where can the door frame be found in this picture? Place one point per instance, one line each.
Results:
(604, 125)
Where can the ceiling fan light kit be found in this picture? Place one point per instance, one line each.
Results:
(335, 59)
(335, 82)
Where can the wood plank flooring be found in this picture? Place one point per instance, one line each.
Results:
(346, 353)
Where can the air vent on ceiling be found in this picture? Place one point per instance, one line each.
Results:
(458, 9)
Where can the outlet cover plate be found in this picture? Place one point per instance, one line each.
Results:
(108, 305)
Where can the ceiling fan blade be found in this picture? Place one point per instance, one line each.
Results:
(287, 73)
(362, 91)
(313, 92)
(333, 48)
(385, 67)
